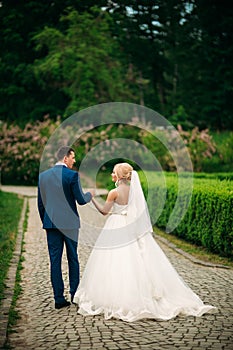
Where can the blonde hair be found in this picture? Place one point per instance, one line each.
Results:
(123, 171)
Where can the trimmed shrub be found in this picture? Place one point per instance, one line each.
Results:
(208, 221)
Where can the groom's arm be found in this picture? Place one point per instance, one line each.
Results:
(81, 197)
(40, 204)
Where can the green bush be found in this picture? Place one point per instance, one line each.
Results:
(222, 160)
(208, 220)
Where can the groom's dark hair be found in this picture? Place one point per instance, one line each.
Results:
(64, 151)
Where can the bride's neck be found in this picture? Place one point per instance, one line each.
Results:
(122, 182)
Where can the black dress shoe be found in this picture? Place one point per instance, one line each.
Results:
(60, 305)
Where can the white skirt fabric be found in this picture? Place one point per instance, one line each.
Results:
(134, 281)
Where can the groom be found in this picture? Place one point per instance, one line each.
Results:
(58, 190)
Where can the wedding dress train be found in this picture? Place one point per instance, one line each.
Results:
(133, 280)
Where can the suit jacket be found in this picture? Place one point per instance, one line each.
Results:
(58, 190)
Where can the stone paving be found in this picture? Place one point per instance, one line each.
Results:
(43, 327)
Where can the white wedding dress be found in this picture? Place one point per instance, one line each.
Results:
(130, 277)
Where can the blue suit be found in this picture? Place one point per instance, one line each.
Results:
(58, 191)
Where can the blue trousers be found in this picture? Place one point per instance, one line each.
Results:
(56, 240)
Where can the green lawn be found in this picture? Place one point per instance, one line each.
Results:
(10, 211)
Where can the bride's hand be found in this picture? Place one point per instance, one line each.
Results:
(92, 191)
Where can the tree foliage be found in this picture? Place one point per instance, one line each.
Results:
(172, 55)
(84, 62)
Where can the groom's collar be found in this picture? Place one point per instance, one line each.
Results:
(61, 163)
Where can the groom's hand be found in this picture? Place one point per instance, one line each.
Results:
(92, 191)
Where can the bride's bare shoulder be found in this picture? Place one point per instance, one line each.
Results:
(112, 195)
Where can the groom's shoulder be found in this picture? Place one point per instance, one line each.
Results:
(45, 172)
(52, 171)
(69, 172)
(62, 170)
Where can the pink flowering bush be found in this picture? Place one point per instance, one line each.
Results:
(21, 149)
(199, 144)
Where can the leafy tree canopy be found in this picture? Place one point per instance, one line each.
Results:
(84, 62)
(60, 56)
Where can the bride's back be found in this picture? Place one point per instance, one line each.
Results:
(123, 194)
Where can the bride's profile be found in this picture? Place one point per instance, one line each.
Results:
(127, 275)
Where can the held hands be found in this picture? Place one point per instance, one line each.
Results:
(92, 191)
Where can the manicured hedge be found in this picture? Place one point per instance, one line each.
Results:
(209, 219)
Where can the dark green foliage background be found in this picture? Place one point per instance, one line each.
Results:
(174, 56)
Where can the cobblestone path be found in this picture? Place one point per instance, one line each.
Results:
(42, 327)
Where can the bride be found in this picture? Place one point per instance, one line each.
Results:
(127, 275)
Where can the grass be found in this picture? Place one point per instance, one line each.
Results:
(13, 314)
(10, 211)
(197, 252)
